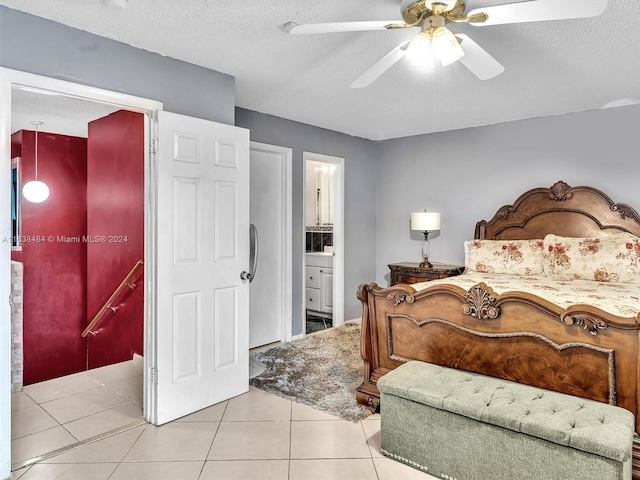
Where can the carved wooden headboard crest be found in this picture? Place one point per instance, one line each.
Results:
(562, 210)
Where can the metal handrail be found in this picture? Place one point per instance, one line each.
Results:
(109, 304)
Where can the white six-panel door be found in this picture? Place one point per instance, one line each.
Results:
(202, 349)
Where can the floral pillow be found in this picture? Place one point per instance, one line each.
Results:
(613, 258)
(516, 257)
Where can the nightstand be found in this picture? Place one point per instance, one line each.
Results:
(412, 273)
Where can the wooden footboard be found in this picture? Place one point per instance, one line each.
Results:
(516, 336)
(581, 351)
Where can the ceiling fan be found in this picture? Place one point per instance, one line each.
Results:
(435, 42)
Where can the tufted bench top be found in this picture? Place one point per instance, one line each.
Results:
(585, 425)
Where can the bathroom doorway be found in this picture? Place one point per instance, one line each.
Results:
(323, 242)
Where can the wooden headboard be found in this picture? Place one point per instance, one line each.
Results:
(561, 210)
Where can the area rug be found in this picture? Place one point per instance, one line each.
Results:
(321, 370)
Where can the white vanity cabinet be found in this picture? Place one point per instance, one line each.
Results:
(319, 283)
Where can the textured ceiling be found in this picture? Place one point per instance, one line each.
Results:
(63, 115)
(551, 67)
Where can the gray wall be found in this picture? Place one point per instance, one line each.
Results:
(35, 45)
(360, 198)
(468, 174)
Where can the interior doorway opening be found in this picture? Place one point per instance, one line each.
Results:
(78, 260)
(124, 383)
(79, 257)
(323, 262)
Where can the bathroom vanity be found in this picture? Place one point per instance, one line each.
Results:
(319, 283)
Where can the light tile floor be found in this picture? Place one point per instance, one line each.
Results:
(253, 436)
(62, 412)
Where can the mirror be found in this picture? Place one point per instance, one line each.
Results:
(319, 206)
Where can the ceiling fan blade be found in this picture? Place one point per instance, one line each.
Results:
(539, 10)
(381, 66)
(339, 27)
(477, 60)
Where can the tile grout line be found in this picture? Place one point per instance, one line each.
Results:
(90, 414)
(37, 405)
(32, 461)
(129, 450)
(214, 438)
(63, 425)
(375, 468)
(63, 396)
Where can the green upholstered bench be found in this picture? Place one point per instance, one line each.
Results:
(462, 426)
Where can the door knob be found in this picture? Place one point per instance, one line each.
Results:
(245, 276)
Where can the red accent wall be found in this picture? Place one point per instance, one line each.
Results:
(16, 144)
(115, 205)
(53, 255)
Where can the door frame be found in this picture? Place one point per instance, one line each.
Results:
(338, 235)
(40, 84)
(286, 156)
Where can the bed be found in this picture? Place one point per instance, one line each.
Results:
(577, 348)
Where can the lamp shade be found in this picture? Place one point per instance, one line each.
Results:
(425, 221)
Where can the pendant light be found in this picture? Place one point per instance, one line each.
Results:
(36, 191)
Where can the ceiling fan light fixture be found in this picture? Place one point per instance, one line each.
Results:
(420, 51)
(431, 44)
(446, 46)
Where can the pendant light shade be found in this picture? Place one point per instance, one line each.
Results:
(36, 191)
